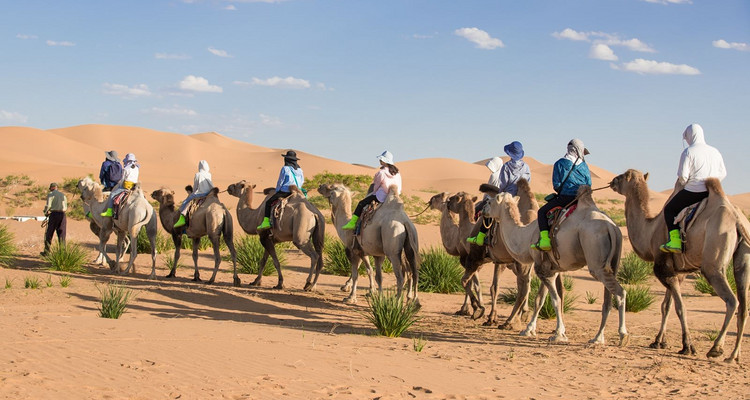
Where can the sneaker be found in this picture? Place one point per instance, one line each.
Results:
(544, 243)
(266, 224)
(674, 245)
(108, 213)
(351, 224)
(180, 222)
(478, 239)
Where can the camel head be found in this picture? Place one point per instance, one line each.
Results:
(337, 195)
(461, 201)
(437, 202)
(89, 189)
(629, 181)
(164, 196)
(236, 189)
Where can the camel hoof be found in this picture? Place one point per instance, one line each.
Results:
(236, 282)
(308, 287)
(714, 352)
(478, 313)
(687, 350)
(558, 339)
(463, 312)
(279, 286)
(658, 345)
(491, 320)
(506, 326)
(729, 360)
(152, 277)
(624, 340)
(417, 304)
(350, 300)
(210, 282)
(345, 288)
(170, 275)
(528, 333)
(255, 283)
(197, 279)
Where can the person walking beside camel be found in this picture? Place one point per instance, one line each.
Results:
(55, 209)
(202, 185)
(698, 162)
(506, 179)
(386, 176)
(568, 173)
(131, 170)
(290, 174)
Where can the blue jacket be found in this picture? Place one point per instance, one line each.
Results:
(104, 174)
(510, 173)
(580, 176)
(286, 178)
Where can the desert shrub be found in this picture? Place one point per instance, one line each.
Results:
(440, 272)
(249, 254)
(701, 283)
(65, 281)
(335, 261)
(31, 282)
(205, 243)
(169, 262)
(390, 314)
(115, 299)
(8, 248)
(67, 257)
(638, 298)
(633, 270)
(163, 242)
(70, 185)
(547, 311)
(590, 297)
(75, 210)
(318, 201)
(8, 283)
(540, 198)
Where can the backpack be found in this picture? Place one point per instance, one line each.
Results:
(115, 172)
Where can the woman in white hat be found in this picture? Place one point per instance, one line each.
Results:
(386, 176)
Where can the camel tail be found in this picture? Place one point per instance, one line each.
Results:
(743, 225)
(615, 237)
(714, 186)
(411, 248)
(318, 238)
(227, 229)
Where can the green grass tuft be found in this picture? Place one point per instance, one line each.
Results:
(164, 242)
(390, 314)
(31, 282)
(68, 257)
(590, 297)
(701, 283)
(8, 248)
(418, 343)
(440, 272)
(8, 283)
(48, 281)
(115, 299)
(65, 280)
(616, 214)
(169, 262)
(639, 298)
(250, 252)
(633, 270)
(547, 310)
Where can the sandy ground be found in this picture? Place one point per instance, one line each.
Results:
(185, 340)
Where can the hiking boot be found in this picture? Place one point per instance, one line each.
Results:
(180, 222)
(674, 245)
(544, 243)
(478, 239)
(266, 224)
(351, 224)
(108, 213)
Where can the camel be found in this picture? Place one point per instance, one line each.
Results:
(95, 223)
(300, 222)
(134, 214)
(585, 237)
(210, 219)
(718, 234)
(390, 234)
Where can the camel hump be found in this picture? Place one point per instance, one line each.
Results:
(714, 186)
(294, 190)
(523, 186)
(585, 196)
(214, 192)
(489, 189)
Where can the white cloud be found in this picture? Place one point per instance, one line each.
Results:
(63, 43)
(601, 51)
(198, 84)
(482, 39)
(230, 7)
(23, 36)
(419, 36)
(268, 120)
(642, 66)
(116, 89)
(289, 82)
(169, 56)
(11, 117)
(632, 44)
(220, 53)
(723, 44)
(669, 1)
(175, 110)
(570, 34)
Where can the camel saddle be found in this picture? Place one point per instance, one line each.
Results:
(556, 216)
(118, 201)
(687, 216)
(277, 209)
(367, 213)
(193, 207)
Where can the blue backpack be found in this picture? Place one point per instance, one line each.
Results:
(115, 172)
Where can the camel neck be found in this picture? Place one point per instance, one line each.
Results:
(641, 226)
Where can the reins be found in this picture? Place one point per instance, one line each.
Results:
(423, 211)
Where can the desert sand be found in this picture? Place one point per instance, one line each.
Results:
(185, 340)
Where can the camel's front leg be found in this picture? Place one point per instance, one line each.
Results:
(236, 282)
(133, 251)
(217, 257)
(177, 240)
(196, 274)
(679, 307)
(354, 262)
(270, 247)
(261, 268)
(370, 273)
(315, 257)
(523, 287)
(660, 341)
(494, 289)
(118, 253)
(559, 335)
(541, 296)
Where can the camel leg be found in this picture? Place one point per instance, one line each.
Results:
(104, 235)
(660, 341)
(312, 276)
(557, 303)
(354, 261)
(742, 279)
(679, 307)
(236, 282)
(494, 289)
(270, 247)
(217, 256)
(538, 302)
(523, 286)
(477, 289)
(611, 287)
(715, 276)
(177, 240)
(133, 250)
(370, 273)
(379, 272)
(398, 271)
(118, 252)
(467, 281)
(261, 267)
(196, 274)
(151, 229)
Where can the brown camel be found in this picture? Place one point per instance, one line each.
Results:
(211, 219)
(300, 223)
(134, 214)
(718, 234)
(390, 234)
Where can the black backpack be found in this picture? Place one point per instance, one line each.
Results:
(115, 172)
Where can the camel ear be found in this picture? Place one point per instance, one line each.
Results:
(645, 176)
(252, 186)
(474, 199)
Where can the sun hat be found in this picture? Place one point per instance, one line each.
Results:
(494, 164)
(514, 150)
(386, 157)
(577, 144)
(111, 155)
(291, 154)
(53, 185)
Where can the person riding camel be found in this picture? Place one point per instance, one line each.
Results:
(290, 174)
(698, 162)
(506, 180)
(130, 172)
(202, 185)
(386, 176)
(568, 174)
(111, 171)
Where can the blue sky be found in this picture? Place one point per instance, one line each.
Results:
(347, 79)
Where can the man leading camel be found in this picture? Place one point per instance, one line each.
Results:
(698, 162)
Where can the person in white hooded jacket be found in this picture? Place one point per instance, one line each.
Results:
(202, 185)
(698, 162)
